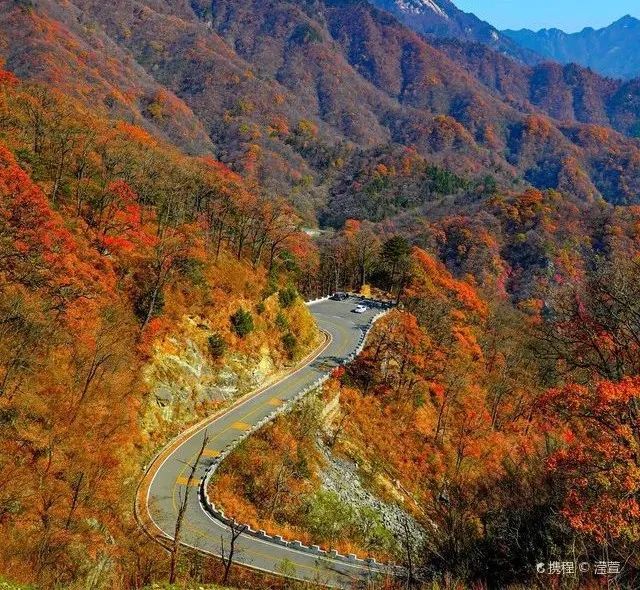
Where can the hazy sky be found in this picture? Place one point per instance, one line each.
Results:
(569, 15)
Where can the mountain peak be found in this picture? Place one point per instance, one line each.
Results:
(420, 6)
(443, 19)
(625, 21)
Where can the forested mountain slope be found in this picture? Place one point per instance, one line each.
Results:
(564, 92)
(288, 92)
(140, 289)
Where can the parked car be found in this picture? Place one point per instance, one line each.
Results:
(340, 296)
(360, 309)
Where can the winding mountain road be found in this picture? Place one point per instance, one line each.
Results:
(167, 478)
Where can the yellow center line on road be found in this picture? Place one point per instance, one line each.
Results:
(243, 417)
(295, 382)
(184, 481)
(288, 385)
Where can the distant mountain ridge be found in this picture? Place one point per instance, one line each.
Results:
(444, 20)
(612, 51)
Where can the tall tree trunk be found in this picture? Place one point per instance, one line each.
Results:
(152, 304)
(74, 502)
(58, 179)
(175, 547)
(227, 560)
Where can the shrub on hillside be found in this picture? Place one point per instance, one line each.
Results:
(290, 343)
(217, 346)
(282, 323)
(242, 322)
(287, 296)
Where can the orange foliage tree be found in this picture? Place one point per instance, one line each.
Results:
(599, 457)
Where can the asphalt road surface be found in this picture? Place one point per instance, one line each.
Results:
(199, 529)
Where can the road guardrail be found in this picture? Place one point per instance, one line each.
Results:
(219, 514)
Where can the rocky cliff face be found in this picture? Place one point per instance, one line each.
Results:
(342, 477)
(183, 379)
(185, 383)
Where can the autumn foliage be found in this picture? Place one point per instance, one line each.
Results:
(599, 426)
(451, 412)
(110, 241)
(497, 405)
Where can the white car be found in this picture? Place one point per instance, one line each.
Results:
(360, 309)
